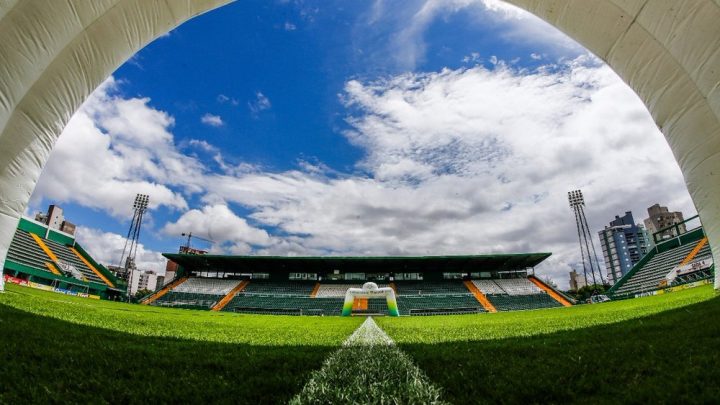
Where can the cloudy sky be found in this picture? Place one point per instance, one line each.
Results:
(360, 128)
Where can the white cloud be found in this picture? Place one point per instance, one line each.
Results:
(474, 57)
(261, 103)
(410, 20)
(222, 99)
(289, 26)
(111, 149)
(218, 223)
(474, 161)
(107, 247)
(458, 161)
(212, 120)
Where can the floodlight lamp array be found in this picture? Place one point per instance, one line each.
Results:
(141, 202)
(575, 198)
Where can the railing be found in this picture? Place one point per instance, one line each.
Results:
(678, 229)
(275, 311)
(446, 311)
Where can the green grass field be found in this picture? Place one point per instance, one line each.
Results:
(648, 350)
(121, 353)
(60, 348)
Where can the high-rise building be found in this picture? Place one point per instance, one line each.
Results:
(55, 219)
(623, 244)
(143, 281)
(661, 218)
(577, 281)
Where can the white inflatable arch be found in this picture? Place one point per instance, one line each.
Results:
(55, 53)
(370, 290)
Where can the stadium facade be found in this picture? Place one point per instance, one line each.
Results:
(47, 258)
(426, 285)
(685, 260)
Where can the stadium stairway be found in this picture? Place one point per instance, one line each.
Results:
(91, 267)
(149, 300)
(550, 291)
(52, 266)
(482, 299)
(226, 299)
(315, 290)
(63, 253)
(695, 251)
(54, 270)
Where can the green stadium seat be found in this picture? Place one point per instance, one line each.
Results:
(648, 277)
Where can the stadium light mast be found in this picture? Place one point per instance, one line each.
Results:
(139, 207)
(587, 247)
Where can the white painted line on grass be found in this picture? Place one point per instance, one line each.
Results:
(368, 369)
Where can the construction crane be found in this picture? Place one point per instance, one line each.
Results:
(190, 236)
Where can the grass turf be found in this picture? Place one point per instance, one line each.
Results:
(626, 351)
(66, 349)
(271, 330)
(60, 348)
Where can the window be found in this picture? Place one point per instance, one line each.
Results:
(303, 276)
(408, 276)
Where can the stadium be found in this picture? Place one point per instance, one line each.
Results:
(475, 328)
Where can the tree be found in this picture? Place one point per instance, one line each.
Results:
(141, 293)
(587, 291)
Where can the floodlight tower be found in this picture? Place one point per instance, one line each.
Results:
(577, 203)
(139, 207)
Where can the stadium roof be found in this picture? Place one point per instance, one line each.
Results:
(364, 264)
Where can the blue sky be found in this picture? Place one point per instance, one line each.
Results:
(359, 127)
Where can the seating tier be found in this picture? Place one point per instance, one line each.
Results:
(649, 276)
(303, 288)
(506, 302)
(207, 286)
(23, 250)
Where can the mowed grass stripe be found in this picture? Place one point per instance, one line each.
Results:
(45, 360)
(368, 369)
(266, 330)
(58, 348)
(449, 328)
(665, 351)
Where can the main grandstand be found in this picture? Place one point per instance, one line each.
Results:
(317, 285)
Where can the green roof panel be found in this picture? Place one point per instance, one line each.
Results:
(350, 264)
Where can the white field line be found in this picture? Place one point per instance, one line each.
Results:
(368, 369)
(368, 334)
